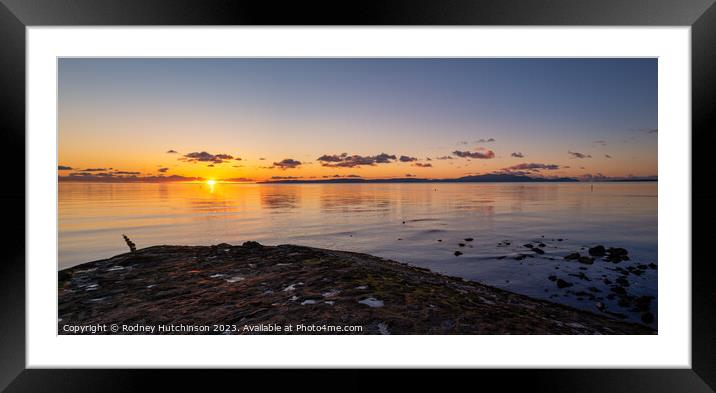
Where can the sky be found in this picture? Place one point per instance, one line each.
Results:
(161, 119)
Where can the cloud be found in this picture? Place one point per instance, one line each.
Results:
(607, 156)
(64, 168)
(332, 157)
(533, 166)
(237, 179)
(206, 157)
(286, 177)
(444, 158)
(172, 151)
(423, 165)
(575, 154)
(355, 161)
(463, 143)
(518, 155)
(409, 175)
(94, 169)
(407, 159)
(645, 130)
(487, 154)
(237, 158)
(162, 170)
(482, 140)
(287, 163)
(126, 173)
(603, 143)
(262, 159)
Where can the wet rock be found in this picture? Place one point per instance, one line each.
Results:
(538, 250)
(542, 245)
(563, 284)
(624, 302)
(586, 260)
(528, 245)
(574, 255)
(617, 254)
(552, 277)
(618, 290)
(652, 265)
(461, 244)
(458, 253)
(642, 303)
(440, 240)
(622, 282)
(580, 276)
(600, 306)
(469, 239)
(647, 317)
(597, 251)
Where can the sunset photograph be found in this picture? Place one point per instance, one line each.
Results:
(379, 196)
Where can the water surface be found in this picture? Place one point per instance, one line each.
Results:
(420, 224)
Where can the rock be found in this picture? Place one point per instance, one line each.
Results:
(542, 245)
(642, 303)
(559, 240)
(622, 282)
(552, 277)
(607, 281)
(528, 245)
(597, 251)
(252, 245)
(617, 251)
(600, 306)
(574, 255)
(618, 290)
(440, 240)
(461, 244)
(586, 260)
(469, 239)
(458, 253)
(580, 276)
(624, 302)
(616, 254)
(334, 287)
(563, 284)
(652, 265)
(647, 317)
(538, 250)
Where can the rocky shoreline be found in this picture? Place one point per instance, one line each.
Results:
(255, 289)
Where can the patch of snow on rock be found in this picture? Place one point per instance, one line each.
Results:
(331, 293)
(372, 302)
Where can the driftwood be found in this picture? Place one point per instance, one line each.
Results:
(132, 246)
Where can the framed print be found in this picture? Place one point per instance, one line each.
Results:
(379, 189)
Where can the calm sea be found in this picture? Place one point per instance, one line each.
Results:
(420, 224)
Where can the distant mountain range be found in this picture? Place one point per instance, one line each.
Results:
(488, 178)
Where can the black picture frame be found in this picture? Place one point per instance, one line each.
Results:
(16, 15)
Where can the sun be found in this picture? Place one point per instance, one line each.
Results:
(211, 182)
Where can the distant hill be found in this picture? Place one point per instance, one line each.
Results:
(488, 178)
